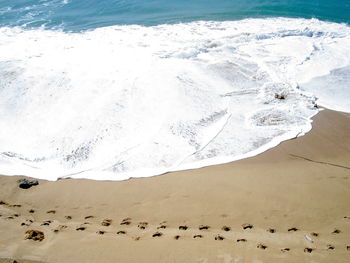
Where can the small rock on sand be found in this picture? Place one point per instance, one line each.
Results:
(25, 183)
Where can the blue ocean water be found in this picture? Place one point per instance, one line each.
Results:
(77, 15)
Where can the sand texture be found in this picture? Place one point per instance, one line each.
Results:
(289, 204)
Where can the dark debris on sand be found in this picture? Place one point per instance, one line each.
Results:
(25, 183)
(35, 235)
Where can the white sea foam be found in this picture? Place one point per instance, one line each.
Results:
(133, 101)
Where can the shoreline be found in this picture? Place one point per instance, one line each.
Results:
(297, 189)
(197, 165)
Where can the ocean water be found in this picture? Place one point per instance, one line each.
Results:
(77, 15)
(119, 89)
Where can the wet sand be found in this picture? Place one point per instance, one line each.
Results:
(289, 204)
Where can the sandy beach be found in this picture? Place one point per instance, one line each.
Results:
(289, 204)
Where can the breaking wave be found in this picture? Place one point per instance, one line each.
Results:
(133, 101)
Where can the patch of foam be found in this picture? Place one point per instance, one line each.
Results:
(133, 101)
(333, 89)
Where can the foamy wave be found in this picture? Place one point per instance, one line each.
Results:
(133, 101)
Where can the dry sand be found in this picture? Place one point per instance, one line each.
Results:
(299, 189)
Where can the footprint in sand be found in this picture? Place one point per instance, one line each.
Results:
(197, 236)
(261, 246)
(330, 247)
(271, 230)
(285, 249)
(226, 228)
(60, 227)
(100, 232)
(157, 234)
(31, 211)
(177, 237)
(183, 227)
(121, 232)
(126, 221)
(219, 237)
(106, 222)
(314, 234)
(46, 223)
(348, 248)
(137, 238)
(88, 217)
(142, 225)
(162, 225)
(292, 229)
(241, 240)
(80, 228)
(203, 227)
(14, 205)
(68, 217)
(308, 250)
(336, 231)
(51, 212)
(28, 222)
(247, 226)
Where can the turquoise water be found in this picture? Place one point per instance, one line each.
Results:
(77, 15)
